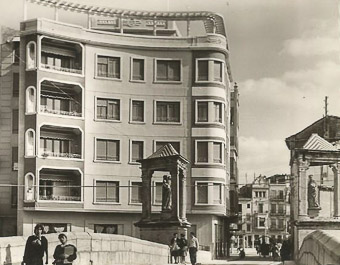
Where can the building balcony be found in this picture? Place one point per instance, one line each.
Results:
(61, 99)
(61, 56)
(59, 185)
(60, 142)
(277, 213)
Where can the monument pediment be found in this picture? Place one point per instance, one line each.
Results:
(317, 143)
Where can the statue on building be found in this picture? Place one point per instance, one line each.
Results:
(166, 193)
(312, 193)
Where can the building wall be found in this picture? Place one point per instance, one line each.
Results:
(82, 215)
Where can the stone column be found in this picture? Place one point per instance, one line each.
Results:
(336, 196)
(182, 195)
(146, 194)
(175, 182)
(294, 172)
(302, 187)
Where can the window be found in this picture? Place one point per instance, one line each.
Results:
(30, 143)
(16, 52)
(248, 227)
(209, 70)
(217, 152)
(106, 228)
(203, 70)
(202, 152)
(273, 223)
(108, 150)
(15, 158)
(262, 222)
(136, 192)
(248, 205)
(167, 111)
(137, 150)
(260, 207)
(202, 111)
(137, 114)
(108, 67)
(15, 84)
(30, 56)
(107, 191)
(280, 209)
(209, 152)
(168, 70)
(217, 193)
(218, 66)
(137, 70)
(280, 225)
(50, 228)
(175, 145)
(108, 109)
(30, 100)
(209, 111)
(202, 193)
(15, 121)
(217, 112)
(240, 208)
(273, 208)
(55, 146)
(158, 192)
(281, 195)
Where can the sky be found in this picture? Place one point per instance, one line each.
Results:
(284, 57)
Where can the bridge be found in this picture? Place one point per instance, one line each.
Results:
(318, 248)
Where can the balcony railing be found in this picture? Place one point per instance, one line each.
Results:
(59, 198)
(278, 213)
(62, 69)
(59, 112)
(64, 155)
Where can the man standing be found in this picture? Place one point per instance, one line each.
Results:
(193, 248)
(64, 254)
(36, 246)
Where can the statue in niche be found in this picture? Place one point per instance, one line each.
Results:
(312, 193)
(166, 193)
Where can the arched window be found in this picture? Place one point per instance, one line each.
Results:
(30, 143)
(31, 56)
(29, 187)
(31, 100)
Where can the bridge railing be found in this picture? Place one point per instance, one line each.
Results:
(320, 248)
(93, 249)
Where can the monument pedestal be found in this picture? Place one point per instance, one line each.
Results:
(314, 212)
(161, 231)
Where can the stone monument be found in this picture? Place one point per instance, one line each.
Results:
(312, 148)
(172, 218)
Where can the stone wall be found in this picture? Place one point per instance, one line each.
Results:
(93, 249)
(320, 247)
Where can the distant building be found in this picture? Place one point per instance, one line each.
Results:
(264, 210)
(94, 101)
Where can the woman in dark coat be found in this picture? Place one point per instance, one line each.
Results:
(36, 246)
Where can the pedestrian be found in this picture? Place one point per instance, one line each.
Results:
(174, 248)
(183, 246)
(193, 248)
(36, 246)
(285, 250)
(64, 254)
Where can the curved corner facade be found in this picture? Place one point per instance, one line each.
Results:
(92, 103)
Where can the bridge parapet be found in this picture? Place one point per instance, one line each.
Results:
(320, 248)
(93, 249)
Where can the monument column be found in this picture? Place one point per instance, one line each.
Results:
(336, 197)
(175, 192)
(146, 194)
(182, 196)
(302, 186)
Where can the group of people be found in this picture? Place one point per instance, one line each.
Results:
(37, 246)
(179, 247)
(279, 251)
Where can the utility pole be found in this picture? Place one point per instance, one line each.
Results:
(326, 106)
